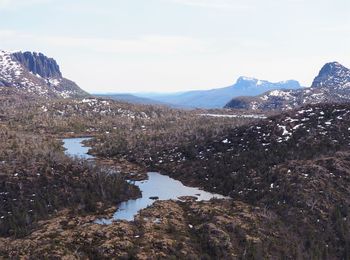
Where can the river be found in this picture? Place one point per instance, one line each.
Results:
(157, 186)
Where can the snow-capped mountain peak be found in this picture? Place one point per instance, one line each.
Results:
(250, 81)
(244, 78)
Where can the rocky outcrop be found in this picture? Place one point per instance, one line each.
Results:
(38, 64)
(35, 75)
(332, 75)
(166, 230)
(332, 85)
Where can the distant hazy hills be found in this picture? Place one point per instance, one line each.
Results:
(214, 98)
(131, 99)
(332, 85)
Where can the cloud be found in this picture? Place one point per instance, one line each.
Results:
(15, 4)
(340, 29)
(148, 44)
(217, 4)
(151, 44)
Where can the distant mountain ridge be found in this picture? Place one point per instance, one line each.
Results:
(31, 73)
(218, 98)
(332, 85)
(131, 99)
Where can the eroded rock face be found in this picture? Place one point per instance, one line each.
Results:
(35, 75)
(38, 64)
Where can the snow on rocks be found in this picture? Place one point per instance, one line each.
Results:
(10, 69)
(54, 81)
(255, 116)
(226, 141)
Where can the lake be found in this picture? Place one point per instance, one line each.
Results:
(157, 186)
(75, 148)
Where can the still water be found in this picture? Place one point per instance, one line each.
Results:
(75, 148)
(157, 186)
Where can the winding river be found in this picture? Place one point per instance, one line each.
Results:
(157, 186)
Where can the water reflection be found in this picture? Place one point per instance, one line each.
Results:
(161, 186)
(75, 148)
(157, 186)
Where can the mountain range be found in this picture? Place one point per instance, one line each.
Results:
(217, 98)
(332, 85)
(34, 74)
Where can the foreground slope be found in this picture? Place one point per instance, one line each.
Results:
(37, 180)
(166, 230)
(288, 177)
(48, 202)
(332, 85)
(294, 165)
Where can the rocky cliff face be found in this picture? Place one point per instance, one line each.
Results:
(34, 74)
(39, 64)
(332, 85)
(332, 75)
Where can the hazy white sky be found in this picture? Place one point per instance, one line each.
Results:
(174, 45)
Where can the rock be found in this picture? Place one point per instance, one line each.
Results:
(332, 75)
(188, 198)
(332, 85)
(39, 64)
(35, 75)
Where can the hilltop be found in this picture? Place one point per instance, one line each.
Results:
(332, 85)
(34, 75)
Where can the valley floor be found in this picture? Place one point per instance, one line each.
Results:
(288, 176)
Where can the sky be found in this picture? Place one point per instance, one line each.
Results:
(177, 45)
